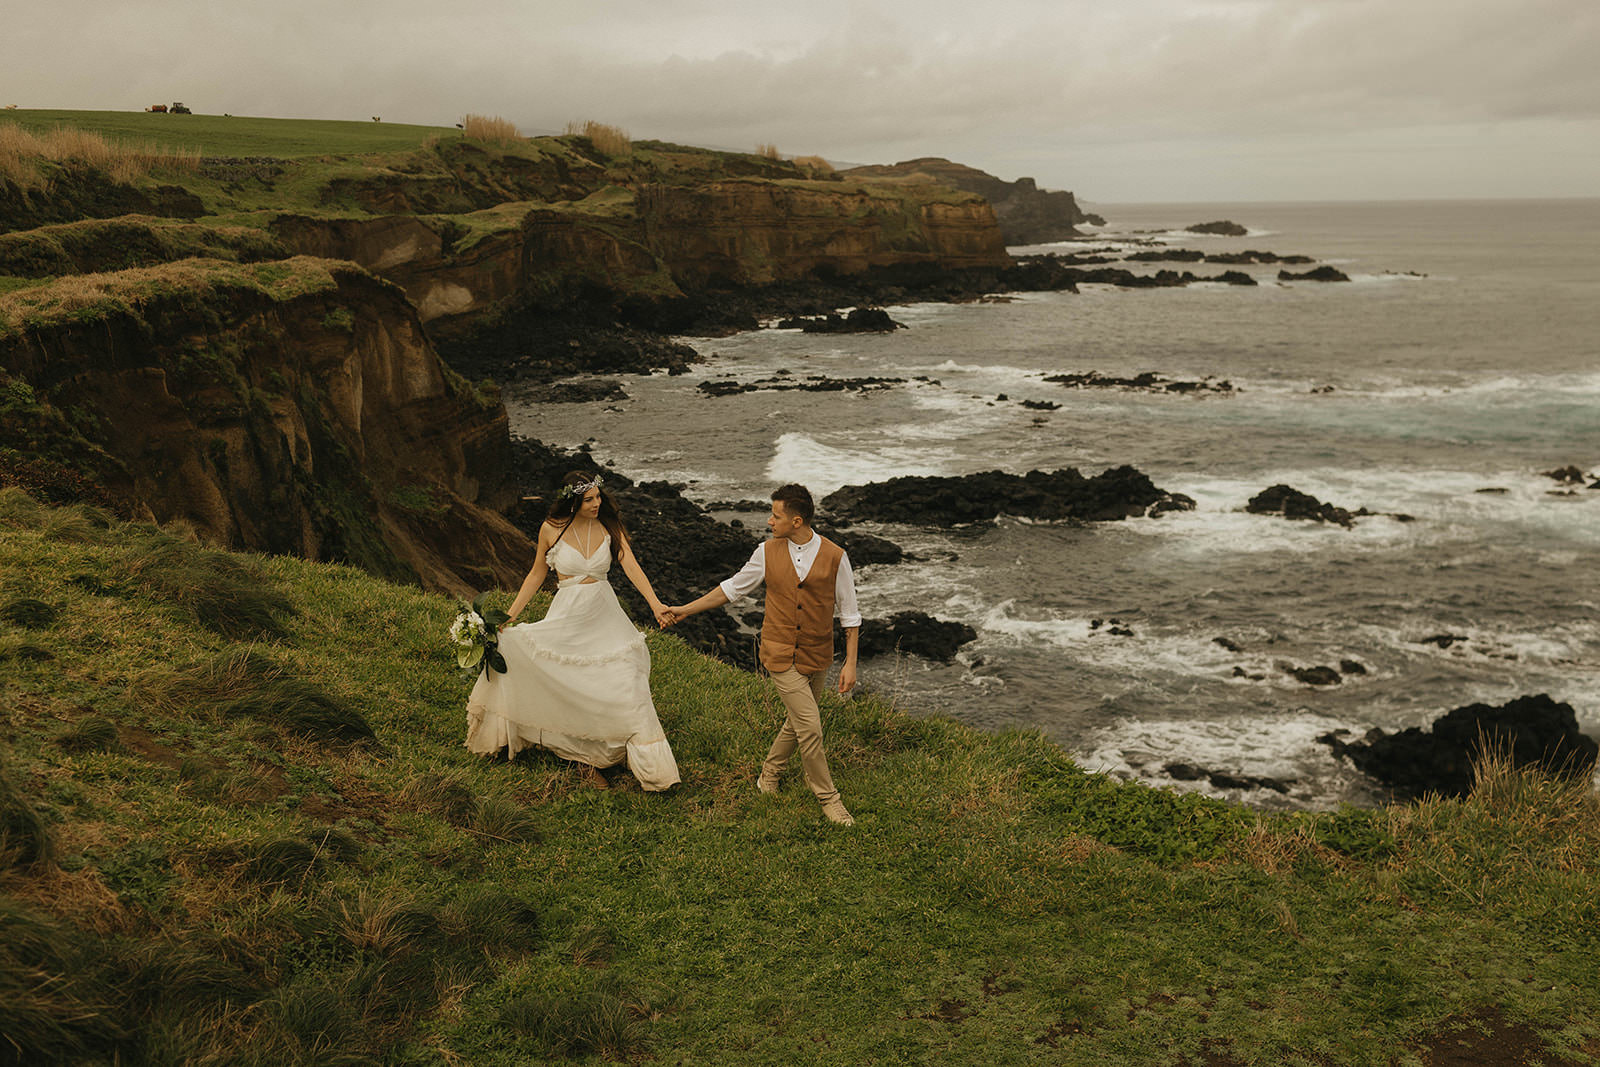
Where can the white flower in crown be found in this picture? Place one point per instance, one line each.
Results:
(579, 489)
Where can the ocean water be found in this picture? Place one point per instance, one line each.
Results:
(1463, 356)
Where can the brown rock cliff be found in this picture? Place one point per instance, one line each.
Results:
(290, 407)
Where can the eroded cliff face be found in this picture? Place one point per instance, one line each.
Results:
(751, 233)
(293, 407)
(1026, 213)
(664, 241)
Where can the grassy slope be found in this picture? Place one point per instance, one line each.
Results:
(227, 135)
(994, 904)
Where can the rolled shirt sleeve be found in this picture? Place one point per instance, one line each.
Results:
(750, 575)
(844, 594)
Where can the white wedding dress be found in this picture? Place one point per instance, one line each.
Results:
(577, 682)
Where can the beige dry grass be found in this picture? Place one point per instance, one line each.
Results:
(768, 151)
(611, 140)
(814, 166)
(22, 151)
(493, 130)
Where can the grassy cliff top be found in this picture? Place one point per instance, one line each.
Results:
(90, 297)
(237, 135)
(237, 825)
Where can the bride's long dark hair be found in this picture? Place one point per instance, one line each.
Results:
(564, 508)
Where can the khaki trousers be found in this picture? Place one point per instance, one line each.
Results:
(802, 729)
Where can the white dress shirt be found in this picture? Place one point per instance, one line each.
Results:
(803, 556)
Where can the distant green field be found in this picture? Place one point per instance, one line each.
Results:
(227, 135)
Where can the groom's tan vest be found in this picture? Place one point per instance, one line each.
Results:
(798, 629)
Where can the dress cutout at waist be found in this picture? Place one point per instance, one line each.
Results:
(576, 568)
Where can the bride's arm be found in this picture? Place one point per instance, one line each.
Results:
(635, 573)
(535, 578)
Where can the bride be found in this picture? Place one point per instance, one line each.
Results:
(578, 681)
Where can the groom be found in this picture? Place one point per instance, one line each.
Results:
(808, 579)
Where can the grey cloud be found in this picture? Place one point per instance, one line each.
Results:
(1013, 85)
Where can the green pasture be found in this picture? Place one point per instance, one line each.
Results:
(238, 135)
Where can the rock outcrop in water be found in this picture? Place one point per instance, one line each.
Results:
(1149, 381)
(914, 632)
(1118, 493)
(859, 320)
(1291, 503)
(1532, 731)
(1221, 227)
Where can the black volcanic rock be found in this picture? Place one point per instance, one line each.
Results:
(1318, 274)
(863, 548)
(1535, 731)
(816, 383)
(1148, 381)
(1222, 227)
(915, 632)
(859, 320)
(1292, 504)
(1160, 255)
(579, 392)
(1312, 675)
(1569, 475)
(1250, 255)
(1189, 772)
(1118, 493)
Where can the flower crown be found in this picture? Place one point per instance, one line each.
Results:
(579, 489)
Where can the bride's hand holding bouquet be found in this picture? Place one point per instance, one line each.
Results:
(475, 635)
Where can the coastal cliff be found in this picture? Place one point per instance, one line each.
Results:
(660, 241)
(261, 346)
(1026, 214)
(286, 407)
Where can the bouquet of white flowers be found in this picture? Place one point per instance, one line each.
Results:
(476, 637)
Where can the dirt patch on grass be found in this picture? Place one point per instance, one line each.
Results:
(143, 743)
(1485, 1038)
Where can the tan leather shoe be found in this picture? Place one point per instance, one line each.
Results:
(838, 813)
(766, 785)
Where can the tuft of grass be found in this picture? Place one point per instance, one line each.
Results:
(447, 794)
(289, 860)
(25, 838)
(611, 141)
(814, 166)
(22, 152)
(93, 734)
(50, 1009)
(769, 151)
(494, 130)
(503, 820)
(29, 613)
(222, 591)
(245, 684)
(599, 1020)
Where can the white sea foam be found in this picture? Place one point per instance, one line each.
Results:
(1283, 748)
(798, 457)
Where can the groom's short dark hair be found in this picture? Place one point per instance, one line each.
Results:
(796, 500)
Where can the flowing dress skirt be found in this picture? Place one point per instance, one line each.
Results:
(577, 682)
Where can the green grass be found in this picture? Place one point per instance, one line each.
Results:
(224, 135)
(189, 873)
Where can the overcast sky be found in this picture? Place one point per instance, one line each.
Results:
(1118, 100)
